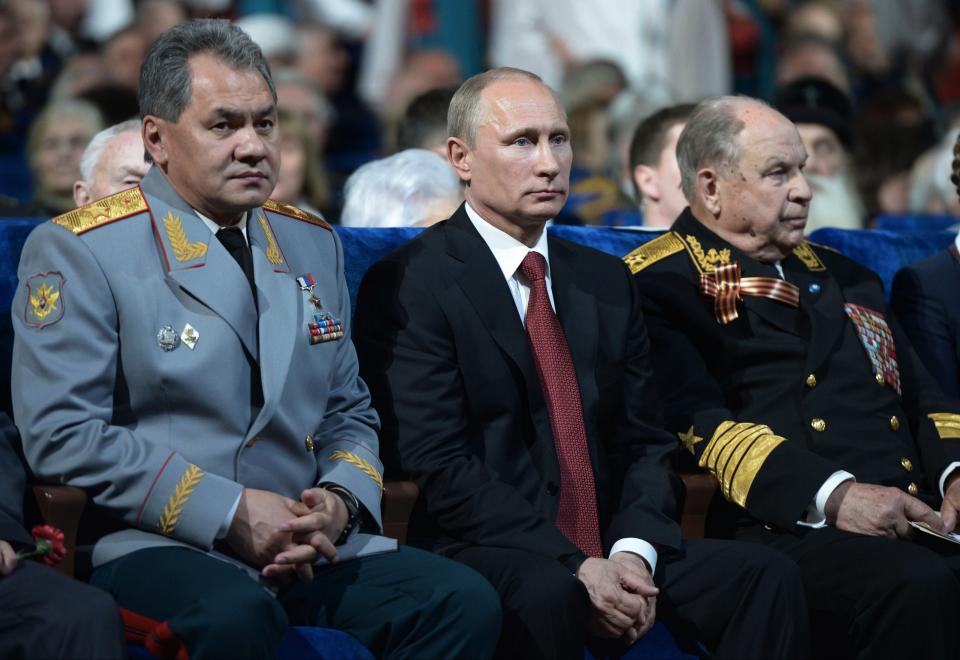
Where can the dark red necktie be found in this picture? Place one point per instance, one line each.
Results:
(577, 515)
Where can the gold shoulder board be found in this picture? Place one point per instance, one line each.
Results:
(806, 254)
(103, 211)
(294, 212)
(653, 251)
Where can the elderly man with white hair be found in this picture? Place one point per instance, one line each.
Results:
(412, 188)
(112, 162)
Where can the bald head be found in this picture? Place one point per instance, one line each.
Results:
(468, 108)
(742, 162)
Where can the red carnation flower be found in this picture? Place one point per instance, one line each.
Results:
(49, 545)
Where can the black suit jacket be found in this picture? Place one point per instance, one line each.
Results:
(12, 483)
(777, 400)
(451, 372)
(926, 300)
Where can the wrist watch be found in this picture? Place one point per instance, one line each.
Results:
(353, 509)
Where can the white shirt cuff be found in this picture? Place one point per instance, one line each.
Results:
(637, 547)
(946, 473)
(225, 525)
(815, 516)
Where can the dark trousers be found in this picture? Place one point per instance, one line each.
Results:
(740, 601)
(872, 597)
(44, 614)
(405, 604)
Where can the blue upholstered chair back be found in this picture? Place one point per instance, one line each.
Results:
(884, 252)
(917, 223)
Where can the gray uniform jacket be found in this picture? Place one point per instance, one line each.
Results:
(131, 375)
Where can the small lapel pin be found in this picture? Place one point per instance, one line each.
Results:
(190, 336)
(167, 338)
(813, 288)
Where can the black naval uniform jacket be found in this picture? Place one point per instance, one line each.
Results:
(775, 401)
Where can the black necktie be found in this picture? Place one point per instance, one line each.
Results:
(233, 240)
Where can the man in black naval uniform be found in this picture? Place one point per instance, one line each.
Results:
(784, 377)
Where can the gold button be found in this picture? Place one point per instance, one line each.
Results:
(894, 423)
(913, 489)
(811, 381)
(907, 464)
(818, 424)
(308, 441)
(880, 379)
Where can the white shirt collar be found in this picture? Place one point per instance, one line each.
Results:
(507, 250)
(956, 241)
(214, 227)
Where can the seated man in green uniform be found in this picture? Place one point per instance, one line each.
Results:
(783, 376)
(182, 355)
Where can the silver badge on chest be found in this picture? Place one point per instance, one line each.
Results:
(167, 338)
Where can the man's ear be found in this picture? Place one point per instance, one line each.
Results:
(648, 182)
(81, 194)
(707, 190)
(458, 153)
(152, 133)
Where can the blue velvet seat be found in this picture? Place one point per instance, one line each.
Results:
(917, 223)
(884, 252)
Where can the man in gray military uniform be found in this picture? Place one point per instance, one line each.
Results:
(183, 354)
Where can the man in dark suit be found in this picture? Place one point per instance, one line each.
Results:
(926, 299)
(512, 375)
(781, 375)
(44, 614)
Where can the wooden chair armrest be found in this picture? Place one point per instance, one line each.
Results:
(61, 506)
(398, 500)
(700, 488)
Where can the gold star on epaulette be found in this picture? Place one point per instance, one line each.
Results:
(689, 439)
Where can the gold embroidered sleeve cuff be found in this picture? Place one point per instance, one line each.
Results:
(735, 454)
(948, 425)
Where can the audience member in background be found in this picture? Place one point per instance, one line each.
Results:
(822, 115)
(411, 188)
(931, 188)
(811, 45)
(122, 56)
(44, 614)
(589, 88)
(276, 36)
(423, 124)
(154, 17)
(54, 146)
(298, 95)
(653, 162)
(113, 161)
(926, 299)
(303, 178)
(891, 130)
(511, 370)
(321, 57)
(780, 372)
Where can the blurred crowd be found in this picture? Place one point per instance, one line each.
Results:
(873, 84)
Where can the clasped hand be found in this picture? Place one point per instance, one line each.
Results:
(622, 596)
(284, 536)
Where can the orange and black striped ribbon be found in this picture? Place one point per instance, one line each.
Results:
(726, 287)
